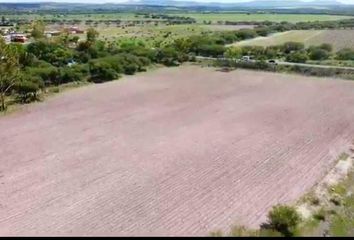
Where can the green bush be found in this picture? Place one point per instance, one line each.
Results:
(345, 54)
(48, 73)
(297, 57)
(289, 47)
(102, 72)
(71, 74)
(27, 91)
(284, 219)
(316, 53)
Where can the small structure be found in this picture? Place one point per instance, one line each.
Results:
(75, 30)
(52, 33)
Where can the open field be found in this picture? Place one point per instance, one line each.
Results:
(175, 151)
(214, 17)
(83, 17)
(338, 38)
(150, 34)
(200, 17)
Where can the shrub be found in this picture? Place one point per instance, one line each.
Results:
(130, 69)
(289, 47)
(326, 46)
(316, 53)
(297, 57)
(336, 200)
(102, 72)
(48, 73)
(284, 219)
(345, 54)
(71, 74)
(320, 215)
(27, 91)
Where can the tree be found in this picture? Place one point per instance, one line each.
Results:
(284, 219)
(102, 72)
(38, 28)
(326, 46)
(75, 40)
(9, 70)
(317, 53)
(27, 91)
(233, 52)
(297, 57)
(91, 35)
(345, 54)
(289, 47)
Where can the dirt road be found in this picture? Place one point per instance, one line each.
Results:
(176, 151)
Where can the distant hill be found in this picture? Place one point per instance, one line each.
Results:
(193, 5)
(251, 4)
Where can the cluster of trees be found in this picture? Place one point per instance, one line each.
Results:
(174, 19)
(148, 18)
(287, 26)
(26, 70)
(291, 52)
(213, 44)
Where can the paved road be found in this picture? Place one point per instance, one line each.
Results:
(315, 65)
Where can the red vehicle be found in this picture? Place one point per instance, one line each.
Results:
(18, 38)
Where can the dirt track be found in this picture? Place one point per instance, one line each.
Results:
(170, 152)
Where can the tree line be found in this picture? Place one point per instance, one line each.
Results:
(29, 69)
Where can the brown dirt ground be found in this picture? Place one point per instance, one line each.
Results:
(175, 151)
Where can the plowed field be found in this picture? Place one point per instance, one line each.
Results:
(175, 151)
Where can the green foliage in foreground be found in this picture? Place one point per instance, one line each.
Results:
(284, 219)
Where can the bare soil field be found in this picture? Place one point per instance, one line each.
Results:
(175, 151)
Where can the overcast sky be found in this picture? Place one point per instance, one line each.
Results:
(118, 1)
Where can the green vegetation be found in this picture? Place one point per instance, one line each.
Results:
(240, 17)
(200, 17)
(28, 70)
(284, 219)
(130, 46)
(9, 71)
(342, 222)
(289, 51)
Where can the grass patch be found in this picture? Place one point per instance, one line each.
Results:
(339, 189)
(344, 156)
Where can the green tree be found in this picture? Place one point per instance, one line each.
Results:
(289, 47)
(297, 57)
(317, 53)
(345, 54)
(27, 91)
(326, 46)
(91, 35)
(9, 70)
(38, 28)
(233, 52)
(284, 219)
